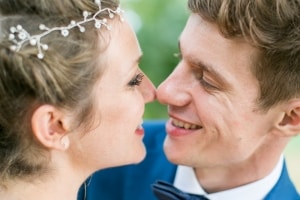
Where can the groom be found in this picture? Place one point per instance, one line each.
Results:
(233, 102)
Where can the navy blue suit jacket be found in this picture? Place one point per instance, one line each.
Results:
(133, 182)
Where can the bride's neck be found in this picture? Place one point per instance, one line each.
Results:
(52, 187)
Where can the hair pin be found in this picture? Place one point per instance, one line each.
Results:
(20, 37)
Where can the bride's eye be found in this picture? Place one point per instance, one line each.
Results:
(137, 80)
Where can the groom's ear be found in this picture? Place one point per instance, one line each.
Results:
(289, 125)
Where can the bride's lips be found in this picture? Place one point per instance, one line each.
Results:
(140, 130)
(176, 127)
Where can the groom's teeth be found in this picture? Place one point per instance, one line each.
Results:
(184, 125)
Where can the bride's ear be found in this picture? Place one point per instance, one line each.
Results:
(50, 127)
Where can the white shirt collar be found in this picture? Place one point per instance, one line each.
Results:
(185, 180)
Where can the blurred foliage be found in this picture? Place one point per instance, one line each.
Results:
(158, 24)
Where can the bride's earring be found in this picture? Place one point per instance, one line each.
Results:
(65, 142)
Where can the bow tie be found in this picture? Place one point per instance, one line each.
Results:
(166, 191)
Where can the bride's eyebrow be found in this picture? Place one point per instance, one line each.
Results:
(137, 60)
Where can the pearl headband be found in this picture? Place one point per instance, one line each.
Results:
(20, 37)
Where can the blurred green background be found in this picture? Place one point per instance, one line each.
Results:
(158, 24)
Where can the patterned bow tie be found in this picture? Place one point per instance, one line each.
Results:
(166, 191)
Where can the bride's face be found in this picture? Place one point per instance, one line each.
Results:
(120, 96)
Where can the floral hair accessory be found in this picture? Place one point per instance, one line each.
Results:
(20, 37)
